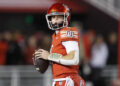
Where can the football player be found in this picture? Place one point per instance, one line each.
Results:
(64, 52)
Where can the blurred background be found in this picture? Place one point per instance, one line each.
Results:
(23, 28)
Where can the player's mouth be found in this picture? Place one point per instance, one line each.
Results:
(57, 25)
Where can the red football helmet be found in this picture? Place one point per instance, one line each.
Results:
(58, 9)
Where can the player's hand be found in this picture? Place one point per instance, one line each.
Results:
(41, 53)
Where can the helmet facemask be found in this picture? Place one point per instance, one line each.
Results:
(57, 26)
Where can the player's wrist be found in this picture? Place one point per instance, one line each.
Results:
(55, 57)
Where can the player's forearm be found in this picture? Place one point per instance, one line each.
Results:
(72, 58)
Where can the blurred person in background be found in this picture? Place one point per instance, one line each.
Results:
(20, 38)
(113, 50)
(14, 54)
(31, 47)
(46, 42)
(88, 39)
(3, 48)
(99, 55)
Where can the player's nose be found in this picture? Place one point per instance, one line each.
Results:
(54, 22)
(56, 18)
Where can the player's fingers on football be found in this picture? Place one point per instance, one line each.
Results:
(38, 56)
(41, 50)
(37, 52)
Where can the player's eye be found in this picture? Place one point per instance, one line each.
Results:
(53, 17)
(56, 17)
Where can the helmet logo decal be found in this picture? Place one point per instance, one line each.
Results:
(53, 10)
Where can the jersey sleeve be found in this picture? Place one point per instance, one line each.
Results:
(70, 46)
(69, 35)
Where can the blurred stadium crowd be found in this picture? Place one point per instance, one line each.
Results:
(17, 48)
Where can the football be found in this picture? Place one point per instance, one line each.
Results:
(41, 65)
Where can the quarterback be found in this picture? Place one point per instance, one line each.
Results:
(64, 52)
